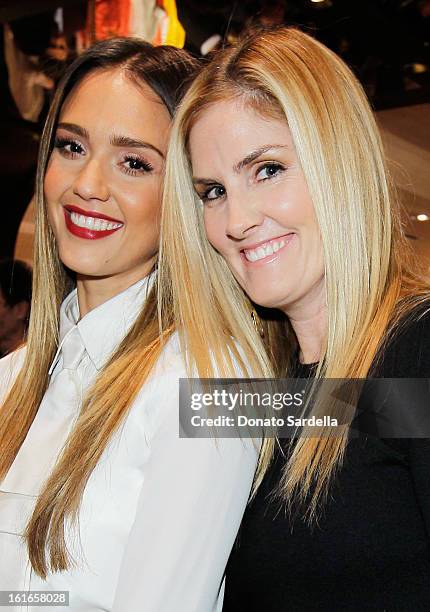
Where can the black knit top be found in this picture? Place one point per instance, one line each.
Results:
(370, 549)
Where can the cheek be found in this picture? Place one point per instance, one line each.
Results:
(55, 178)
(214, 229)
(53, 186)
(290, 205)
(288, 201)
(50, 185)
(142, 209)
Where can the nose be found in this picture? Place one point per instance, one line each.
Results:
(91, 183)
(243, 216)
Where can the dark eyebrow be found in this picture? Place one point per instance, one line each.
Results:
(75, 129)
(126, 141)
(243, 163)
(116, 141)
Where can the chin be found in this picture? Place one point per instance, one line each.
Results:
(267, 301)
(85, 271)
(269, 295)
(82, 264)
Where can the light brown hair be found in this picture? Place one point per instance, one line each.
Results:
(372, 280)
(167, 71)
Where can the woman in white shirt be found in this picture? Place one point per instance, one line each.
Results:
(116, 509)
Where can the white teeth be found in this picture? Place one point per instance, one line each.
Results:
(95, 224)
(261, 253)
(264, 251)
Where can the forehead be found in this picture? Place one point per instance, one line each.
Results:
(109, 100)
(231, 128)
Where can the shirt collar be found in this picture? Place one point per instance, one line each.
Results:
(104, 327)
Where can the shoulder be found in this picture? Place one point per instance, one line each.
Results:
(158, 398)
(10, 367)
(156, 408)
(171, 361)
(176, 357)
(406, 352)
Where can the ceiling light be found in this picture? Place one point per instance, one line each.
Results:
(322, 3)
(423, 217)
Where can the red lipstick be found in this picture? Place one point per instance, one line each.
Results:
(86, 232)
(91, 213)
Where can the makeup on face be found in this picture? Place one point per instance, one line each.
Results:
(258, 212)
(88, 224)
(103, 182)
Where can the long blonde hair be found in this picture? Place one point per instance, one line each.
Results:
(369, 271)
(166, 70)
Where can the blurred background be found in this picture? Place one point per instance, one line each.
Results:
(386, 43)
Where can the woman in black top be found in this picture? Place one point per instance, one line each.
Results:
(369, 547)
(277, 140)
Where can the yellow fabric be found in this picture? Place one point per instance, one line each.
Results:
(175, 32)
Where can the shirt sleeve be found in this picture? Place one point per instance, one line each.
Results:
(10, 367)
(409, 357)
(190, 507)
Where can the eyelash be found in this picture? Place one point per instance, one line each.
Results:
(62, 143)
(279, 168)
(146, 166)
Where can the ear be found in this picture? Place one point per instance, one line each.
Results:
(21, 310)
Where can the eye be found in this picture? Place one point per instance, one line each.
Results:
(68, 147)
(136, 165)
(213, 193)
(269, 170)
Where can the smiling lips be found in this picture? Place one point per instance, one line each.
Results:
(265, 249)
(88, 224)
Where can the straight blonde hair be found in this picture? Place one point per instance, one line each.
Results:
(167, 71)
(370, 277)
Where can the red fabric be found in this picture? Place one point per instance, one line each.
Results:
(112, 18)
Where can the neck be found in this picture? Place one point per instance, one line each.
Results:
(309, 321)
(95, 290)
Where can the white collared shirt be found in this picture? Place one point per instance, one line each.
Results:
(159, 513)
